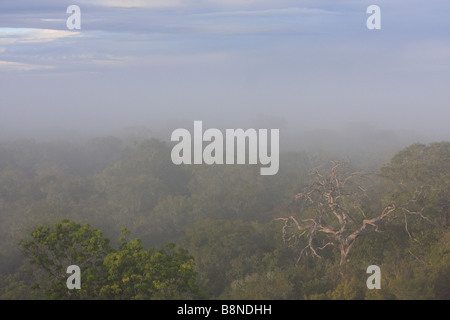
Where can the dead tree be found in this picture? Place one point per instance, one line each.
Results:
(337, 216)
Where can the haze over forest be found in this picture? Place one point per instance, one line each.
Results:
(160, 65)
(86, 176)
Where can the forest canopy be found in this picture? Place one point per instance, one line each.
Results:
(141, 227)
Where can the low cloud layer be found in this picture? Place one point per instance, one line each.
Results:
(313, 64)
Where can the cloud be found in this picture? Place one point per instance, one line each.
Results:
(269, 12)
(196, 5)
(18, 66)
(137, 3)
(31, 35)
(182, 59)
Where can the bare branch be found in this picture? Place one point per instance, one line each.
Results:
(336, 202)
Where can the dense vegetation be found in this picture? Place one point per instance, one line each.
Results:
(142, 228)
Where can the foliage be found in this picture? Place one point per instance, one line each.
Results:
(223, 215)
(68, 243)
(131, 272)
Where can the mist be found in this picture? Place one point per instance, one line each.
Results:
(311, 69)
(349, 144)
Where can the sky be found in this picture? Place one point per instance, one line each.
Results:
(293, 65)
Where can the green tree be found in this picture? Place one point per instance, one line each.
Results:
(426, 167)
(67, 243)
(133, 272)
(226, 251)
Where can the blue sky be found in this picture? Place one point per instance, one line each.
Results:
(306, 64)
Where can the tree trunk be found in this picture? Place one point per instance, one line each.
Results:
(345, 250)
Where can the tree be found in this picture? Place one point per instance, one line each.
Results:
(68, 243)
(131, 272)
(224, 251)
(425, 166)
(338, 212)
(134, 272)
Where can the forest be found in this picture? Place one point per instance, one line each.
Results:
(140, 227)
